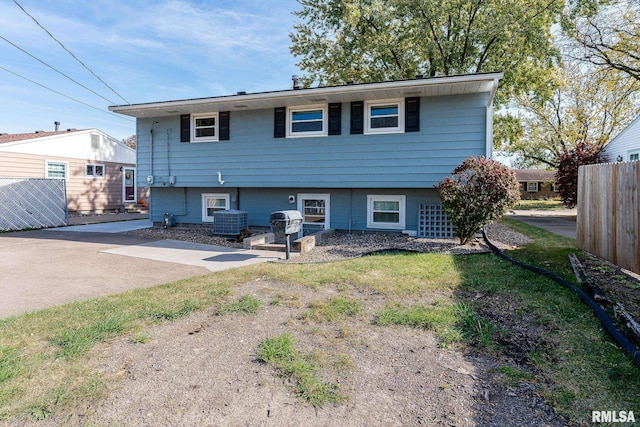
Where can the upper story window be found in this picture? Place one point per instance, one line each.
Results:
(96, 171)
(56, 170)
(307, 121)
(384, 116)
(204, 127)
(634, 156)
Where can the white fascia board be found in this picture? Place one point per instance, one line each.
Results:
(164, 108)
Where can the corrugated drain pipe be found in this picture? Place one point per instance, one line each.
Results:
(599, 312)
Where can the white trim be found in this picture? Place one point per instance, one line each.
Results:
(205, 196)
(477, 83)
(216, 127)
(322, 107)
(46, 169)
(401, 199)
(327, 208)
(94, 168)
(368, 130)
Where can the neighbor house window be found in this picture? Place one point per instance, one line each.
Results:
(634, 156)
(56, 170)
(386, 212)
(96, 171)
(384, 116)
(532, 187)
(212, 203)
(204, 127)
(307, 121)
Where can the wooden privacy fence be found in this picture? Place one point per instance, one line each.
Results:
(608, 210)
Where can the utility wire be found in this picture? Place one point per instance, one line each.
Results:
(70, 53)
(66, 96)
(56, 70)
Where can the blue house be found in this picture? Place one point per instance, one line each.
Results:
(348, 157)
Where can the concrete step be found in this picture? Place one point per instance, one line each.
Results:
(279, 247)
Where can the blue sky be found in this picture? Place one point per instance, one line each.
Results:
(146, 50)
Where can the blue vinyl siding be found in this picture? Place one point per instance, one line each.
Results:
(452, 128)
(348, 207)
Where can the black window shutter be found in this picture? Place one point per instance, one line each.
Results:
(185, 128)
(357, 117)
(412, 114)
(223, 118)
(279, 119)
(335, 119)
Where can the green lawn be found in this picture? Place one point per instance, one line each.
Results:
(545, 205)
(575, 367)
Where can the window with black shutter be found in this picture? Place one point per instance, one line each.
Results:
(357, 117)
(412, 114)
(224, 125)
(279, 120)
(335, 119)
(185, 128)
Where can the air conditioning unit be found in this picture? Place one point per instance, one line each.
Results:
(229, 222)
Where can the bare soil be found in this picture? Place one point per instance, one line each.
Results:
(203, 370)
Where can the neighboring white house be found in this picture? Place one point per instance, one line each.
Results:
(99, 170)
(626, 145)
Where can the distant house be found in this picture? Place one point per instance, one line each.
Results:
(536, 184)
(99, 171)
(348, 157)
(626, 145)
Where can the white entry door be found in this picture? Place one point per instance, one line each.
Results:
(315, 210)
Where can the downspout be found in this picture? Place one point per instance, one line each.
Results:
(151, 151)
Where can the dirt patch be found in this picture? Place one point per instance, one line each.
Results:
(202, 370)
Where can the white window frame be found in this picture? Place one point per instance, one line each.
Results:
(402, 201)
(529, 188)
(205, 196)
(216, 127)
(325, 121)
(93, 174)
(52, 162)
(368, 130)
(634, 153)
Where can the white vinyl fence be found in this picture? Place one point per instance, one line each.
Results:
(32, 203)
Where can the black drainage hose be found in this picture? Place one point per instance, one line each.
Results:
(602, 315)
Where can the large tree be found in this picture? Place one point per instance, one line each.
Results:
(608, 36)
(374, 40)
(587, 106)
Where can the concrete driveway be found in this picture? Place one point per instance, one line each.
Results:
(44, 268)
(562, 222)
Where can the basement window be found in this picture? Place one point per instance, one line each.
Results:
(386, 211)
(212, 203)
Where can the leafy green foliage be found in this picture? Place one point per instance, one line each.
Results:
(377, 40)
(567, 174)
(478, 192)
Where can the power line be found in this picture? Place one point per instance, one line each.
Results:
(66, 96)
(56, 70)
(70, 53)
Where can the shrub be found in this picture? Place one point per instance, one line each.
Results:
(569, 160)
(478, 192)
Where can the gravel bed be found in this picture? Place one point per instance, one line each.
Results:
(343, 245)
